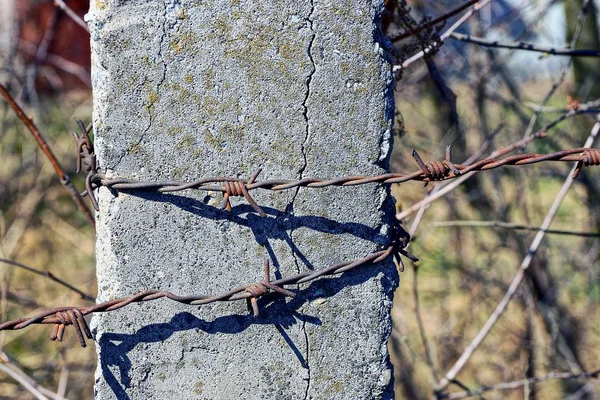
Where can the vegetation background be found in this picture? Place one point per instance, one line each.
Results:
(468, 248)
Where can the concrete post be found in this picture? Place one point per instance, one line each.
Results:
(6, 35)
(198, 88)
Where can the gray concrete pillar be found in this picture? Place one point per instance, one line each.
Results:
(7, 17)
(189, 89)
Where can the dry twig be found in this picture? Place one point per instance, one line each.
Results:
(50, 276)
(434, 22)
(521, 383)
(476, 7)
(64, 178)
(507, 225)
(67, 10)
(517, 280)
(523, 46)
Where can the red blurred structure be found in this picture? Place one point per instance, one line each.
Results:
(50, 39)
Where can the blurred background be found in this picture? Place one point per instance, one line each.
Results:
(470, 241)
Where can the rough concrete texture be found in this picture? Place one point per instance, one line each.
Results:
(188, 89)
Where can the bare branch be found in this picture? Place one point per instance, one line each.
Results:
(517, 280)
(64, 178)
(520, 383)
(63, 6)
(50, 276)
(480, 4)
(507, 225)
(523, 46)
(436, 21)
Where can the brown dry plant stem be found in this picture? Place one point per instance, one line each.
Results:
(476, 7)
(435, 21)
(50, 276)
(64, 178)
(522, 383)
(507, 225)
(523, 46)
(517, 280)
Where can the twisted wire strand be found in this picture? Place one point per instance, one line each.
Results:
(61, 317)
(433, 171)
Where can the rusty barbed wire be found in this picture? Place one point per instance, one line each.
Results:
(86, 158)
(65, 180)
(435, 171)
(61, 317)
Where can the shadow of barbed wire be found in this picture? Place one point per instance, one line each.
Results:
(275, 310)
(277, 225)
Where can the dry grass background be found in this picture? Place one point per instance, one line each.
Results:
(40, 227)
(463, 273)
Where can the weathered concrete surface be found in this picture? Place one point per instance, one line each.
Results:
(184, 89)
(7, 17)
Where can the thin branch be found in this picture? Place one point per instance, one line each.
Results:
(64, 178)
(523, 46)
(60, 63)
(40, 392)
(428, 359)
(518, 278)
(17, 375)
(565, 69)
(433, 196)
(436, 21)
(61, 4)
(584, 106)
(19, 299)
(50, 276)
(507, 225)
(64, 375)
(523, 382)
(480, 4)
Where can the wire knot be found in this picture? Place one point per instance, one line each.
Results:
(259, 289)
(73, 317)
(235, 188)
(86, 158)
(240, 188)
(400, 241)
(437, 170)
(591, 157)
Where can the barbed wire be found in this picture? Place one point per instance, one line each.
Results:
(61, 317)
(65, 180)
(436, 171)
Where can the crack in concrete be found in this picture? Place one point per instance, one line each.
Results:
(162, 80)
(301, 175)
(308, 82)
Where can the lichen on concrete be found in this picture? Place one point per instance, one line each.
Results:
(185, 89)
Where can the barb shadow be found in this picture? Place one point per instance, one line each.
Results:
(275, 310)
(277, 225)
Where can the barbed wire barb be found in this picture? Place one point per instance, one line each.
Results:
(435, 171)
(61, 317)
